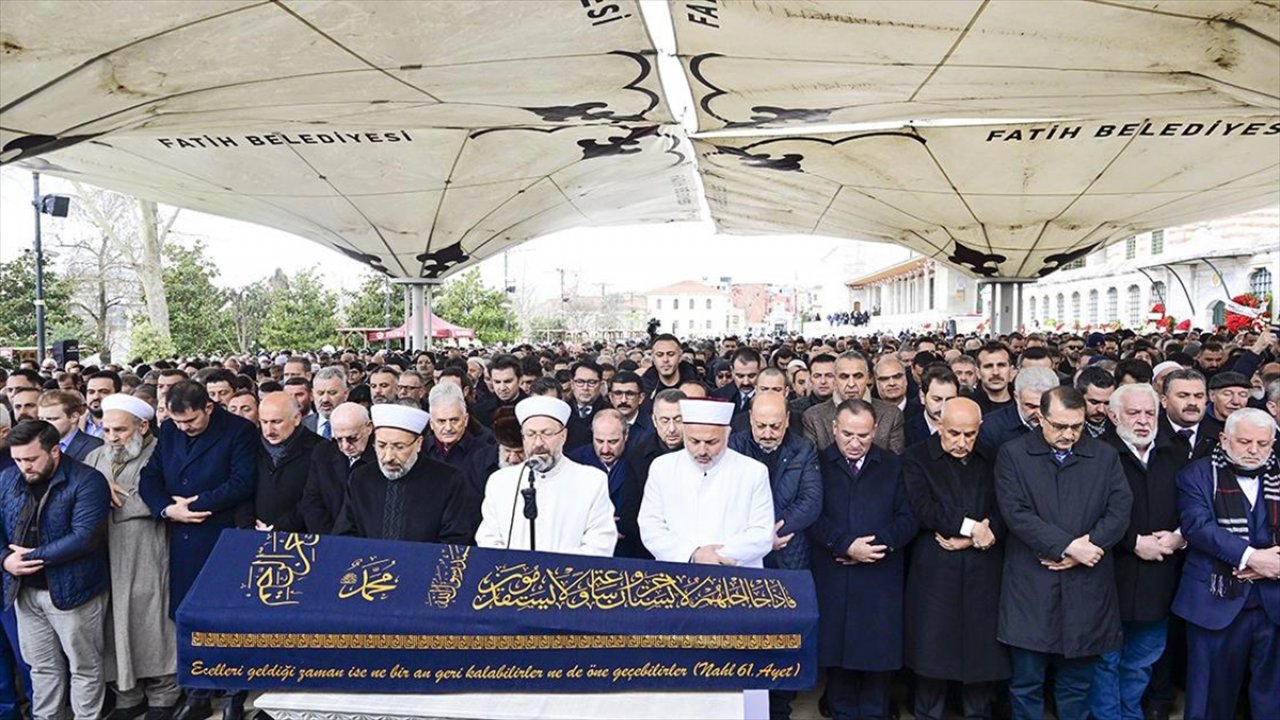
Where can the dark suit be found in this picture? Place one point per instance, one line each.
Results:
(277, 499)
(1227, 637)
(889, 432)
(579, 428)
(731, 393)
(1205, 438)
(796, 482)
(917, 429)
(220, 467)
(81, 445)
(431, 503)
(1002, 426)
(326, 487)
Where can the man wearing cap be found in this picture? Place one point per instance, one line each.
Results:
(141, 639)
(708, 504)
(1228, 392)
(332, 464)
(406, 495)
(507, 450)
(574, 514)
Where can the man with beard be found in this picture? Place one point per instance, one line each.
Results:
(329, 390)
(53, 523)
(25, 403)
(1096, 385)
(573, 512)
(284, 457)
(669, 369)
(1229, 593)
(63, 410)
(937, 385)
(667, 437)
(504, 377)
(994, 365)
(22, 379)
(707, 504)
(1146, 571)
(382, 384)
(605, 452)
(332, 464)
(202, 469)
(953, 587)
(1023, 416)
(1184, 402)
(142, 661)
(852, 376)
(99, 385)
(966, 370)
(406, 496)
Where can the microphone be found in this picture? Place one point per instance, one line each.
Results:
(537, 463)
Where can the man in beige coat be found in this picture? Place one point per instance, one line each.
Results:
(141, 639)
(853, 373)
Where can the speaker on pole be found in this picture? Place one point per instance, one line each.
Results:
(64, 350)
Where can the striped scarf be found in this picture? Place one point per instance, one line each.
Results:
(1231, 510)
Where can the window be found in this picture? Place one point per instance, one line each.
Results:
(931, 279)
(1157, 242)
(1062, 309)
(1260, 282)
(708, 307)
(1093, 307)
(708, 322)
(1135, 306)
(691, 304)
(1158, 291)
(675, 303)
(1044, 306)
(675, 326)
(1130, 247)
(1032, 312)
(1075, 306)
(658, 304)
(1113, 305)
(1074, 264)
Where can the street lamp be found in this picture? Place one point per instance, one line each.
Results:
(57, 206)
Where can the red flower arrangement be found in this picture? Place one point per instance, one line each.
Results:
(1235, 321)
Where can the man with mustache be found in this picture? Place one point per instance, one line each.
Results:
(1230, 588)
(406, 495)
(1183, 417)
(142, 652)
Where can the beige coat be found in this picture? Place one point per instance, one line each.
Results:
(142, 641)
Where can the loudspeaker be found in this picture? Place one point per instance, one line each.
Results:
(64, 350)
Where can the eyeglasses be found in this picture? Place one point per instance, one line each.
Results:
(345, 439)
(1062, 428)
(541, 434)
(580, 382)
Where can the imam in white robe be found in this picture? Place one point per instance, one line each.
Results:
(575, 515)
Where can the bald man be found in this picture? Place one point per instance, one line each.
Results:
(284, 457)
(332, 463)
(953, 586)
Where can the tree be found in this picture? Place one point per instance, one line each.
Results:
(466, 301)
(18, 303)
(368, 306)
(104, 287)
(147, 343)
(299, 312)
(189, 277)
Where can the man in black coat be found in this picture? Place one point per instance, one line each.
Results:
(953, 587)
(451, 441)
(332, 463)
(1146, 561)
(284, 459)
(586, 401)
(1096, 384)
(745, 366)
(667, 437)
(938, 385)
(1023, 416)
(1058, 600)
(1184, 402)
(504, 374)
(406, 496)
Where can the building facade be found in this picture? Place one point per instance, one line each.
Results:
(695, 309)
(913, 294)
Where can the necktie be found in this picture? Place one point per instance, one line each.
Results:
(325, 431)
(1186, 433)
(1060, 456)
(584, 411)
(853, 467)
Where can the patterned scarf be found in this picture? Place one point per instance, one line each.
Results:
(1231, 510)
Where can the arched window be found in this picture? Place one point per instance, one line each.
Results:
(1032, 311)
(658, 304)
(1260, 282)
(1062, 309)
(1044, 307)
(1135, 306)
(708, 307)
(675, 303)
(1113, 305)
(1159, 293)
(1093, 307)
(1075, 306)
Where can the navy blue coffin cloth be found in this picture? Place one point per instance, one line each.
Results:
(305, 612)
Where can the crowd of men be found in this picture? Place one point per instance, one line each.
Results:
(986, 517)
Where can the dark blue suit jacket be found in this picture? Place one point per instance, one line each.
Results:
(81, 445)
(916, 429)
(796, 481)
(1208, 543)
(1000, 427)
(219, 466)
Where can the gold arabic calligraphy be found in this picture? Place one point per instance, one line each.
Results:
(369, 578)
(448, 576)
(281, 561)
(526, 586)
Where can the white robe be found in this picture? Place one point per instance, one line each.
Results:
(575, 515)
(686, 507)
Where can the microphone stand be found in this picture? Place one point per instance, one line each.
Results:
(531, 508)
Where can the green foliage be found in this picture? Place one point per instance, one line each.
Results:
(147, 342)
(18, 309)
(197, 323)
(299, 312)
(467, 302)
(368, 304)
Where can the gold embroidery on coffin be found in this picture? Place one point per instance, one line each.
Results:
(325, 641)
(448, 576)
(526, 586)
(281, 561)
(369, 578)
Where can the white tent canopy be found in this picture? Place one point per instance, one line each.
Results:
(419, 138)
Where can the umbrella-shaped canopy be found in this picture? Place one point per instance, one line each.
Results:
(421, 137)
(441, 329)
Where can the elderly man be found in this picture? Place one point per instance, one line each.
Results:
(142, 661)
(953, 588)
(852, 376)
(284, 458)
(53, 526)
(63, 410)
(864, 527)
(1146, 574)
(449, 441)
(328, 391)
(332, 464)
(1183, 402)
(605, 452)
(1229, 593)
(406, 496)
(891, 385)
(707, 504)
(1058, 601)
(1023, 416)
(550, 503)
(937, 386)
(1228, 392)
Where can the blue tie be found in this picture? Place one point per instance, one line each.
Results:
(326, 433)
(1060, 456)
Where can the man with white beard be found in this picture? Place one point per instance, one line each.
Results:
(141, 639)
